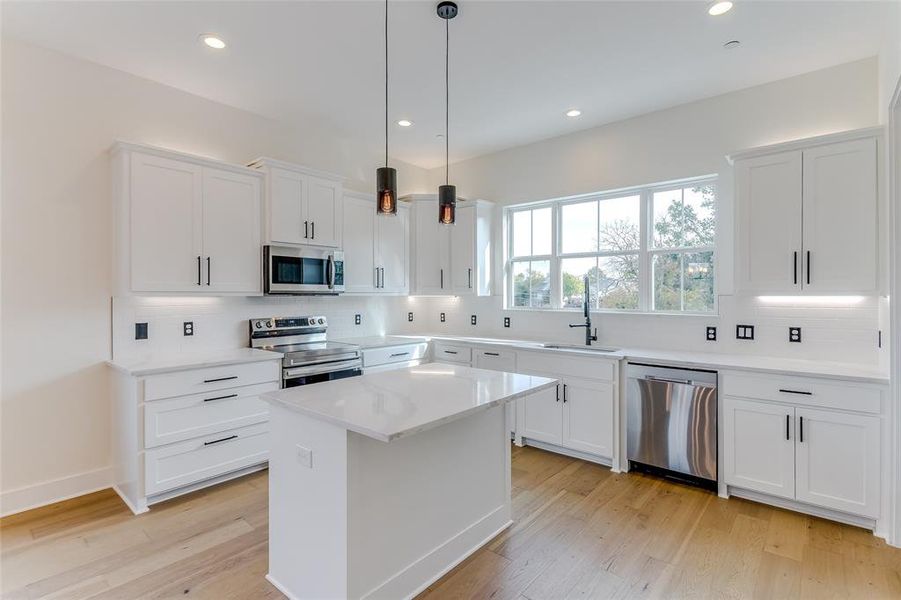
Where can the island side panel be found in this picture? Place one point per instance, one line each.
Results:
(420, 504)
(307, 506)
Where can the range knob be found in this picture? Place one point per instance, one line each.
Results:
(269, 324)
(259, 324)
(321, 321)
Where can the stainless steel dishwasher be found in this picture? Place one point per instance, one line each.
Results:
(671, 416)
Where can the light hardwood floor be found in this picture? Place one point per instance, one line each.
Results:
(580, 532)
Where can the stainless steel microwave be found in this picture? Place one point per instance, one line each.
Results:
(298, 271)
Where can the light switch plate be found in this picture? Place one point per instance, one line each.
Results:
(141, 331)
(744, 332)
(304, 456)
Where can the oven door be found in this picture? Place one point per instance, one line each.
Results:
(297, 376)
(302, 271)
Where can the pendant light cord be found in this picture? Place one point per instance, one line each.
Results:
(446, 101)
(386, 83)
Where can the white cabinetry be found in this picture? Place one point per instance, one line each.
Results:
(451, 259)
(184, 224)
(540, 417)
(179, 431)
(389, 358)
(807, 216)
(785, 437)
(376, 248)
(302, 206)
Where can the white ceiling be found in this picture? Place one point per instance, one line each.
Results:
(516, 66)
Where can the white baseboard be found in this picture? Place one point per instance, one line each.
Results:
(606, 462)
(280, 587)
(49, 492)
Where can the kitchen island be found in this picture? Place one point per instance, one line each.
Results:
(380, 484)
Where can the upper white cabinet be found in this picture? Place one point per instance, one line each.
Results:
(807, 216)
(302, 206)
(376, 247)
(451, 260)
(185, 224)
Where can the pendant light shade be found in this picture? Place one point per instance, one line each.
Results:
(447, 204)
(386, 177)
(447, 194)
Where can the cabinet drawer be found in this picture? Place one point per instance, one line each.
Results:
(802, 391)
(567, 365)
(182, 383)
(452, 353)
(184, 463)
(394, 354)
(495, 360)
(185, 417)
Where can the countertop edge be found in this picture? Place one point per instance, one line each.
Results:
(190, 364)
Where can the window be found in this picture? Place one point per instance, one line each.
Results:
(646, 249)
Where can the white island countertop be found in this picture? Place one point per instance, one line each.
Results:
(393, 404)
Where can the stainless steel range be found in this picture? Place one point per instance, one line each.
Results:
(308, 355)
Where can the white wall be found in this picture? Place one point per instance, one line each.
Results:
(685, 141)
(889, 59)
(59, 117)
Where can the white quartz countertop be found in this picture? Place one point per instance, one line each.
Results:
(706, 360)
(393, 404)
(382, 341)
(166, 364)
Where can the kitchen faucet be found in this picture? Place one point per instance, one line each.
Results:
(587, 324)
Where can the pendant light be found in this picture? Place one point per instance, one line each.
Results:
(447, 194)
(386, 177)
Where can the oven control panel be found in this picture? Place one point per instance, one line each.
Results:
(281, 323)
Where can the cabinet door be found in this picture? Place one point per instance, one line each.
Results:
(166, 224)
(231, 232)
(359, 245)
(462, 254)
(542, 417)
(393, 238)
(588, 416)
(324, 199)
(759, 452)
(431, 251)
(768, 230)
(838, 461)
(841, 236)
(287, 199)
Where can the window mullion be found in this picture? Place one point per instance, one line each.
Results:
(644, 260)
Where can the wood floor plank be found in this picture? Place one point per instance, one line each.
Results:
(580, 531)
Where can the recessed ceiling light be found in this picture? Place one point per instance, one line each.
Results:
(573, 112)
(212, 41)
(405, 123)
(731, 44)
(719, 8)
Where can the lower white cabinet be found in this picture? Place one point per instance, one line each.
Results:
(540, 417)
(825, 458)
(588, 416)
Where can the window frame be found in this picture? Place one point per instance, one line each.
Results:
(645, 251)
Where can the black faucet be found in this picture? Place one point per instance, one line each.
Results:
(587, 324)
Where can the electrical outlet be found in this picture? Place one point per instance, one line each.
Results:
(711, 334)
(410, 317)
(744, 332)
(472, 320)
(140, 331)
(443, 318)
(794, 334)
(358, 319)
(188, 328)
(506, 321)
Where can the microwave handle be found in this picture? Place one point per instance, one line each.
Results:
(330, 273)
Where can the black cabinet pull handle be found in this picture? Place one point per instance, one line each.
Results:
(306, 229)
(469, 275)
(795, 267)
(808, 267)
(558, 392)
(796, 392)
(492, 354)
(198, 270)
(450, 352)
(564, 393)
(220, 379)
(442, 278)
(801, 429)
(396, 354)
(787, 421)
(220, 397)
(225, 439)
(312, 230)
(208, 270)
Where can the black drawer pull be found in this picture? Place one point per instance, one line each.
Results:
(801, 427)
(396, 354)
(564, 393)
(450, 352)
(492, 354)
(225, 439)
(558, 392)
(796, 392)
(220, 379)
(787, 421)
(220, 397)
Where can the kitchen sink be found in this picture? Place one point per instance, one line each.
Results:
(581, 348)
